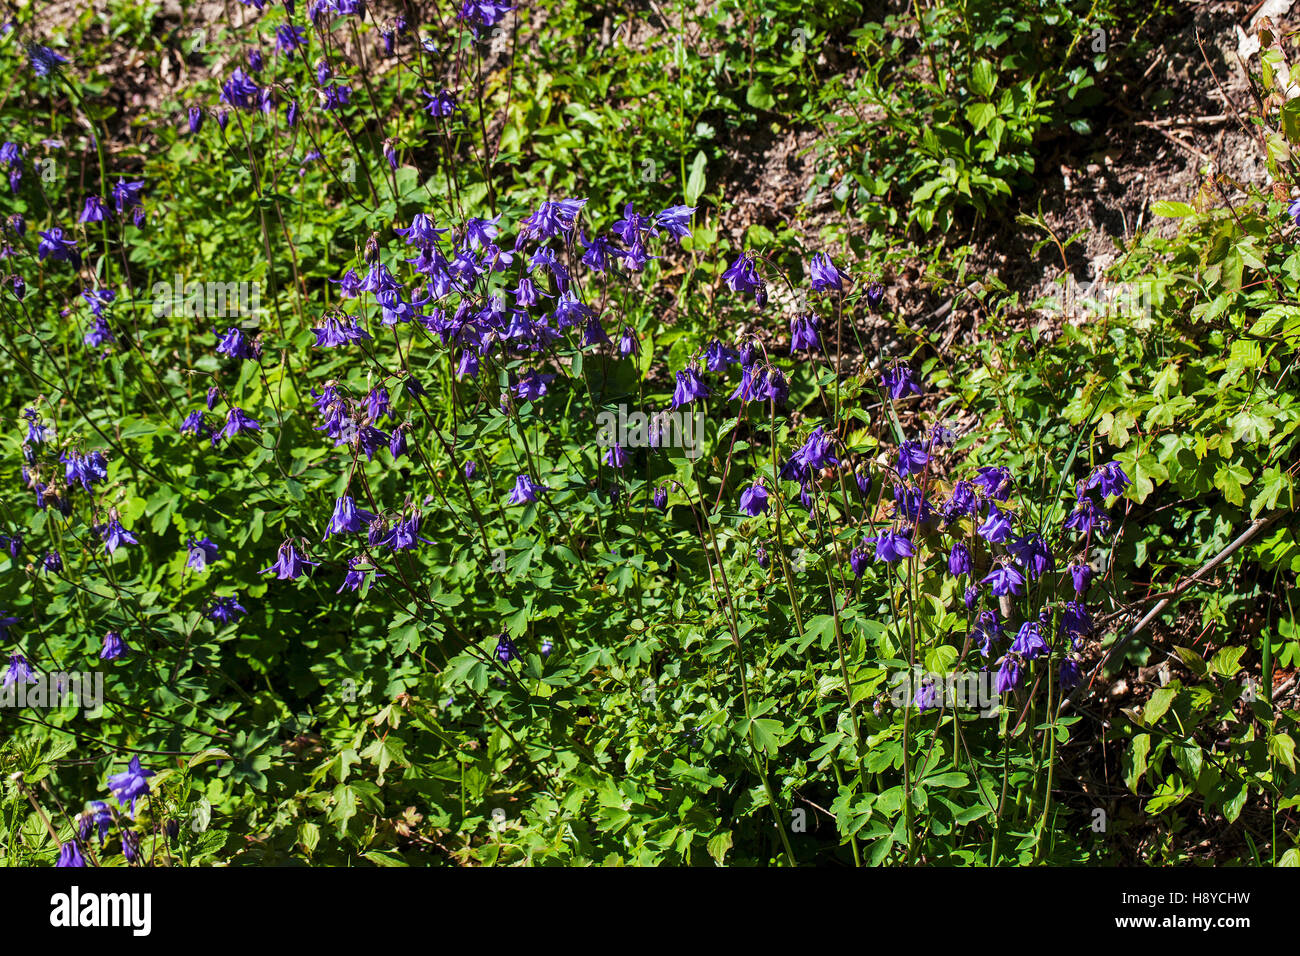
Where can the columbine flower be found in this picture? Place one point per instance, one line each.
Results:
(70, 854)
(525, 490)
(742, 275)
(675, 220)
(506, 650)
(19, 671)
(996, 527)
(959, 561)
(912, 458)
(53, 245)
(546, 647)
(347, 517)
(94, 210)
(1082, 576)
(1076, 622)
(1029, 642)
(892, 545)
(44, 61)
(289, 564)
(689, 387)
(1086, 516)
(900, 381)
(987, 629)
(1032, 554)
(995, 480)
(661, 498)
(803, 333)
(1071, 674)
(1005, 579)
(753, 500)
(113, 534)
(237, 421)
(1009, 675)
(114, 646)
(235, 344)
(223, 610)
(823, 273)
(1110, 478)
(615, 456)
(130, 784)
(961, 502)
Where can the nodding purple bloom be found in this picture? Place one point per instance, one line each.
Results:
(52, 562)
(334, 331)
(335, 96)
(1071, 674)
(1110, 478)
(1031, 553)
(594, 332)
(996, 527)
(239, 91)
(235, 344)
(70, 854)
(406, 533)
(875, 293)
(468, 364)
(689, 387)
(631, 226)
(370, 440)
(615, 456)
(1082, 575)
(858, 560)
(35, 429)
(19, 672)
(995, 480)
(289, 564)
(546, 647)
(823, 273)
(356, 574)
(912, 458)
(742, 275)
(237, 421)
(753, 500)
(94, 210)
(661, 498)
(421, 232)
(223, 610)
(130, 845)
(761, 556)
(114, 535)
(817, 451)
(202, 552)
(397, 444)
(195, 423)
(97, 816)
(289, 39)
(43, 60)
(1086, 516)
(600, 253)
(126, 195)
(54, 245)
(1029, 642)
(1076, 622)
(627, 343)
(114, 647)
(525, 490)
(97, 299)
(675, 220)
(717, 357)
(1005, 579)
(347, 518)
(131, 784)
(471, 469)
(195, 116)
(863, 477)
(959, 561)
(911, 504)
(378, 403)
(803, 334)
(961, 502)
(900, 381)
(213, 396)
(532, 385)
(987, 629)
(892, 545)
(927, 696)
(552, 218)
(971, 597)
(506, 650)
(1009, 675)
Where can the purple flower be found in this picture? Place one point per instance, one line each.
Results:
(753, 500)
(1005, 579)
(223, 610)
(289, 564)
(742, 275)
(661, 498)
(892, 545)
(70, 854)
(1086, 516)
(237, 421)
(525, 490)
(44, 61)
(900, 381)
(201, 552)
(1082, 575)
(912, 458)
(987, 629)
(114, 646)
(94, 210)
(676, 220)
(995, 480)
(1076, 622)
(1029, 642)
(689, 387)
(1110, 478)
(19, 671)
(615, 456)
(959, 561)
(996, 527)
(506, 650)
(347, 518)
(803, 334)
(114, 535)
(54, 246)
(130, 784)
(1009, 675)
(1032, 554)
(1071, 674)
(824, 274)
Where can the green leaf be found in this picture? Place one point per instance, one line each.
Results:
(696, 182)
(1170, 209)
